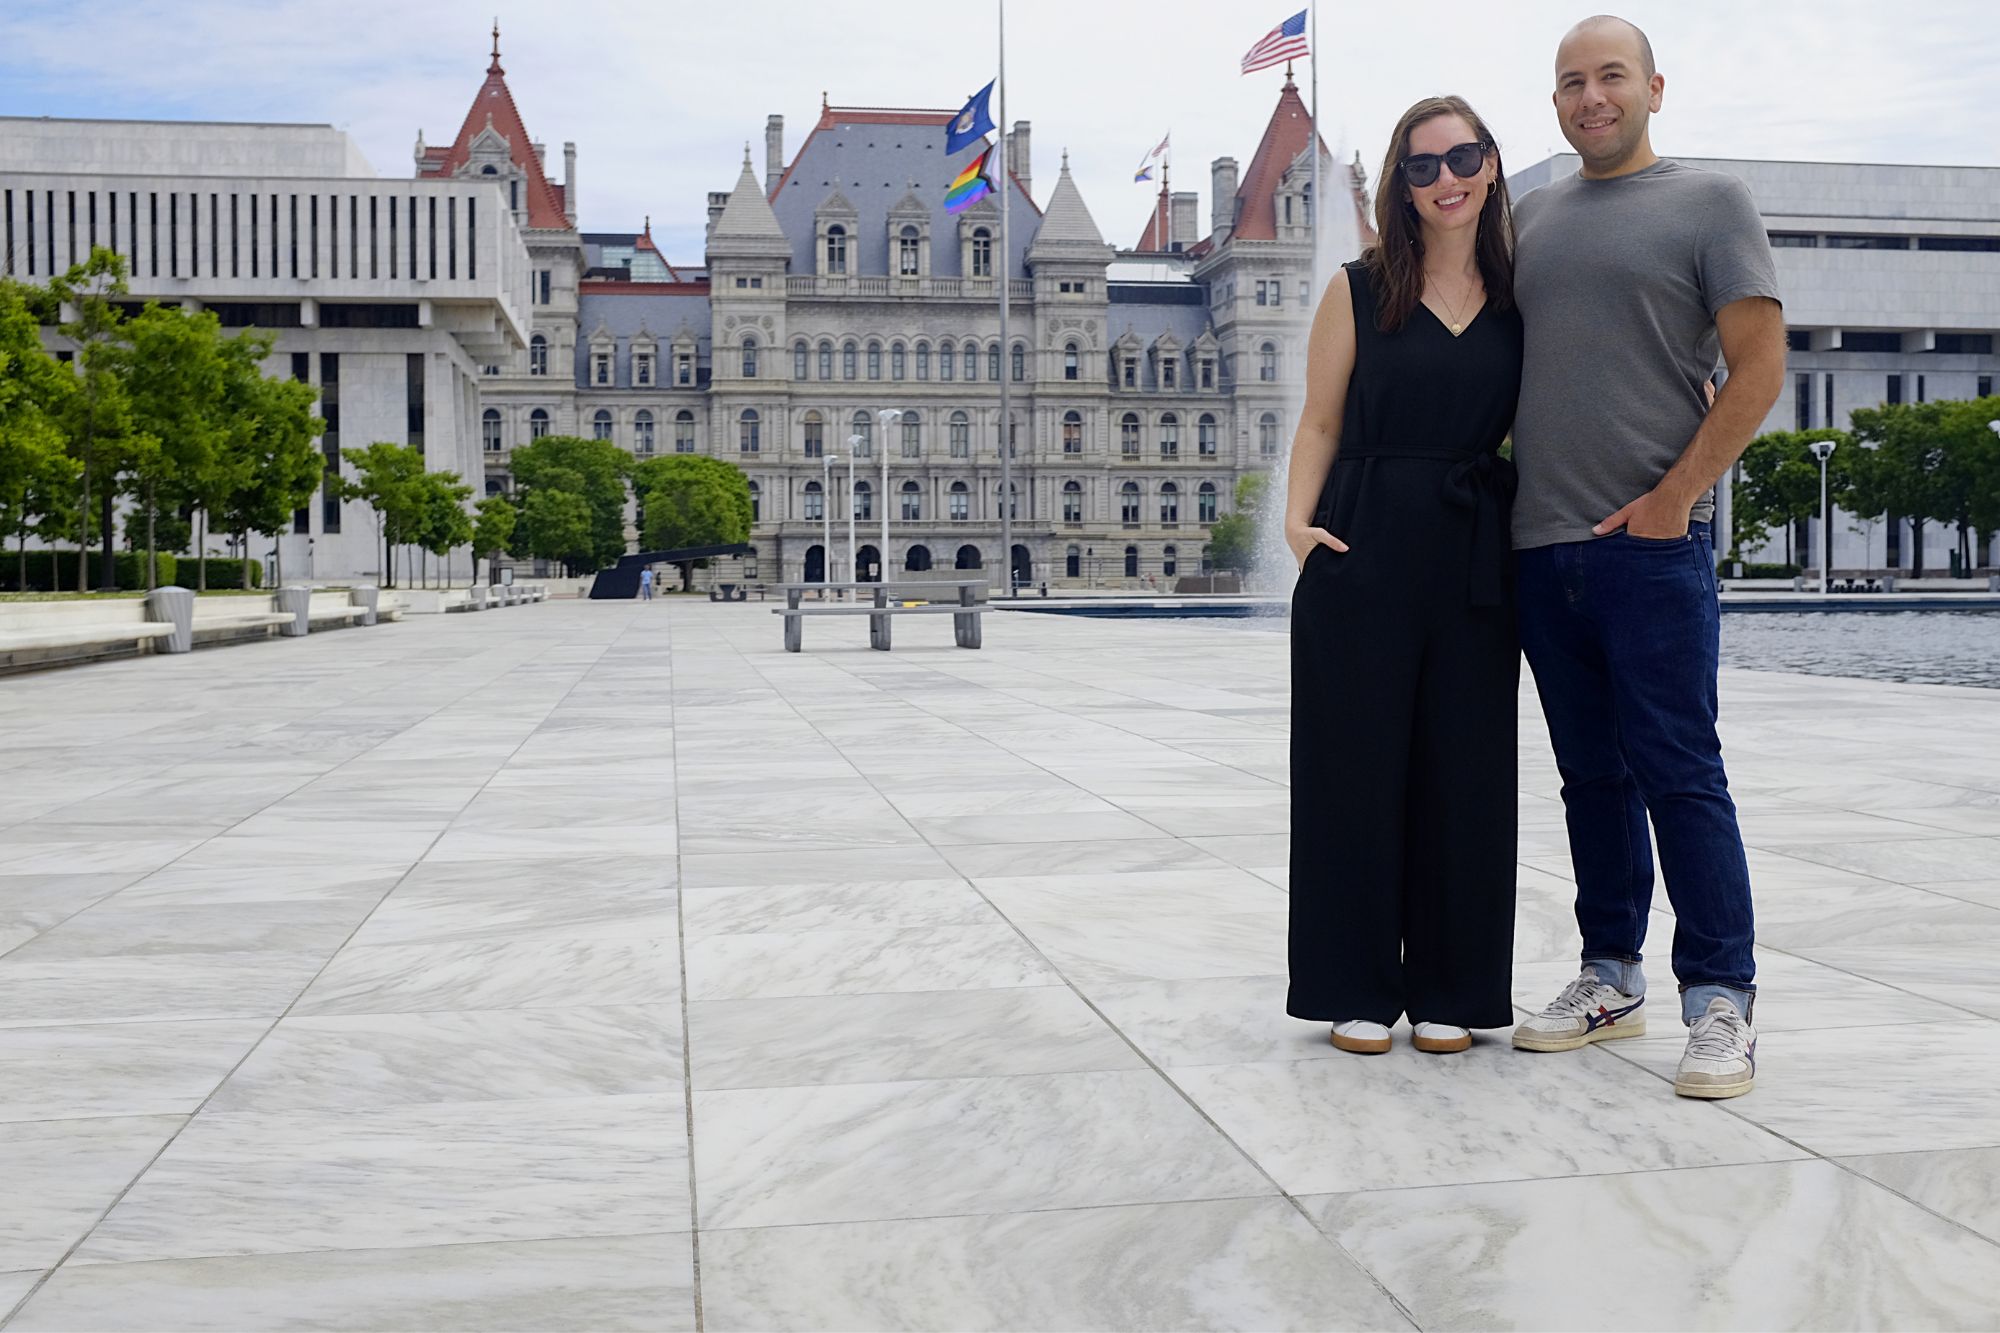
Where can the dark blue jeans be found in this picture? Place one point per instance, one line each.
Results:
(1623, 634)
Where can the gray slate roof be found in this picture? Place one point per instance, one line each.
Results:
(624, 315)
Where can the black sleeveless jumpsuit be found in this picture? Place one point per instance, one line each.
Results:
(1405, 668)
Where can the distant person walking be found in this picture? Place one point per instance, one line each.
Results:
(1631, 276)
(646, 584)
(1405, 668)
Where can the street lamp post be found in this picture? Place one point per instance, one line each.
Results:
(1823, 450)
(826, 463)
(888, 416)
(854, 443)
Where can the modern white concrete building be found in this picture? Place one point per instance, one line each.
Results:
(388, 295)
(1891, 282)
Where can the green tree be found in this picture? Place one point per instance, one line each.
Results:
(444, 525)
(98, 422)
(554, 524)
(491, 531)
(1897, 469)
(1984, 510)
(1232, 539)
(595, 472)
(1779, 485)
(389, 479)
(1968, 467)
(267, 465)
(36, 475)
(692, 500)
(173, 367)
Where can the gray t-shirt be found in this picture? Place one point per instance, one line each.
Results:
(1618, 282)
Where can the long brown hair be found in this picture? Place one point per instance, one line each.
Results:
(1396, 261)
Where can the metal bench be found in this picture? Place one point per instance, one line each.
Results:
(965, 613)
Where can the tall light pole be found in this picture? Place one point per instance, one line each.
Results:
(854, 443)
(826, 462)
(888, 416)
(1823, 450)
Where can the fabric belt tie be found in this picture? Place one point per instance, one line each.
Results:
(1484, 483)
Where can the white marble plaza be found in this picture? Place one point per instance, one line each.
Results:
(604, 966)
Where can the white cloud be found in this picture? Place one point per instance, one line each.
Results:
(661, 98)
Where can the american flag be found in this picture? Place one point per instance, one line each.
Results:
(1285, 42)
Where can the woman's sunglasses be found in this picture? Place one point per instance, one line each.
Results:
(1464, 160)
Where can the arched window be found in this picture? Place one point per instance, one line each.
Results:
(947, 361)
(748, 426)
(538, 355)
(913, 436)
(960, 426)
(1072, 502)
(993, 363)
(896, 365)
(1073, 563)
(874, 361)
(971, 362)
(496, 485)
(960, 500)
(642, 432)
(1170, 435)
(749, 358)
(825, 360)
(969, 558)
(600, 425)
(1013, 508)
(1170, 502)
(864, 426)
(849, 355)
(1267, 434)
(1204, 503)
(1020, 363)
(1131, 562)
(684, 432)
(918, 560)
(538, 423)
(1072, 363)
(815, 435)
(1128, 435)
(982, 254)
(800, 353)
(1072, 432)
(836, 249)
(913, 502)
(1170, 561)
(1128, 503)
(815, 506)
(489, 429)
(1204, 433)
(923, 361)
(864, 500)
(756, 503)
(906, 253)
(1267, 361)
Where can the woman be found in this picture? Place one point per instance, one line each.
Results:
(1404, 661)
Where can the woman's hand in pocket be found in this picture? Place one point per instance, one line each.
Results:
(1302, 539)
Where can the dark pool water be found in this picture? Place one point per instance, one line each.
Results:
(1920, 647)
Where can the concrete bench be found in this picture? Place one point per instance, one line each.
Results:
(34, 633)
(965, 622)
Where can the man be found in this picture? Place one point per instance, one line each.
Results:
(1630, 276)
(646, 584)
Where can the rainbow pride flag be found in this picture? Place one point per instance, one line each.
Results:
(970, 185)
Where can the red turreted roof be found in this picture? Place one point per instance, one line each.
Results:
(1285, 137)
(1155, 237)
(494, 103)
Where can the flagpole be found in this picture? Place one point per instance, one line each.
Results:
(1006, 351)
(1319, 200)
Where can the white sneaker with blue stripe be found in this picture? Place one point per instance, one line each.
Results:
(1721, 1056)
(1589, 1009)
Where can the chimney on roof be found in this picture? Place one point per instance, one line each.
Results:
(541, 153)
(1222, 203)
(1183, 219)
(774, 152)
(569, 181)
(717, 201)
(1018, 157)
(420, 146)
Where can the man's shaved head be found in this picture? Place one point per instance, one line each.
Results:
(1600, 22)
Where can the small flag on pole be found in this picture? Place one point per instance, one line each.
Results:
(971, 124)
(1285, 42)
(970, 185)
(1145, 172)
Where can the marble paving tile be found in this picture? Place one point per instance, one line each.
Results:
(178, 886)
(843, 866)
(831, 962)
(463, 901)
(386, 844)
(641, 1282)
(748, 908)
(1010, 829)
(1163, 948)
(499, 973)
(1985, 892)
(1954, 977)
(94, 857)
(1197, 817)
(1214, 1264)
(112, 928)
(657, 839)
(870, 1151)
(405, 1176)
(325, 1064)
(1384, 1122)
(1778, 1245)
(30, 904)
(884, 1038)
(1876, 913)
(1060, 798)
(1212, 1020)
(1252, 851)
(1813, 1089)
(1137, 894)
(13, 1286)
(1943, 857)
(118, 1069)
(1002, 860)
(62, 1174)
(1963, 1186)
(151, 987)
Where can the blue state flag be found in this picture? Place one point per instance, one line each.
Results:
(970, 125)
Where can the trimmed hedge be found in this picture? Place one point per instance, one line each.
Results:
(1753, 570)
(43, 566)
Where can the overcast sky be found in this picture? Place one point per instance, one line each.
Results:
(660, 97)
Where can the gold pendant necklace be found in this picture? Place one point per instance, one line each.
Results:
(1456, 323)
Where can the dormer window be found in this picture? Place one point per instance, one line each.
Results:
(684, 368)
(1169, 372)
(836, 249)
(907, 253)
(1208, 372)
(600, 367)
(982, 253)
(1129, 378)
(642, 369)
